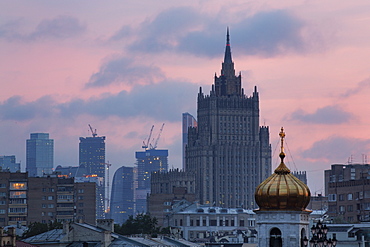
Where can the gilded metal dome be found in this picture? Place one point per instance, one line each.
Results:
(282, 190)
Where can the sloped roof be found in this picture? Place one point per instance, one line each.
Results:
(51, 236)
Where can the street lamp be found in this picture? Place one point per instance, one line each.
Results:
(319, 237)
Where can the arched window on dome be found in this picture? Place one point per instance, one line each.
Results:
(275, 238)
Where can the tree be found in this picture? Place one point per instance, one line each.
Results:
(141, 224)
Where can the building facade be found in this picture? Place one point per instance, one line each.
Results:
(167, 188)
(228, 151)
(26, 199)
(39, 154)
(187, 121)
(214, 224)
(148, 161)
(348, 191)
(122, 195)
(92, 159)
(8, 163)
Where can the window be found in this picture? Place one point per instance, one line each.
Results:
(51, 206)
(18, 194)
(342, 208)
(350, 197)
(2, 185)
(81, 204)
(350, 208)
(80, 191)
(3, 194)
(51, 189)
(80, 197)
(167, 203)
(2, 202)
(341, 197)
(50, 214)
(2, 211)
(18, 185)
(43, 189)
(43, 205)
(241, 223)
(332, 197)
(17, 210)
(50, 198)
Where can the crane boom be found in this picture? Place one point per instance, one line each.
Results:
(93, 132)
(145, 145)
(159, 135)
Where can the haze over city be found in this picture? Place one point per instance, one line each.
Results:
(123, 66)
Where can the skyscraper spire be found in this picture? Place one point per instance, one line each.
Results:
(227, 58)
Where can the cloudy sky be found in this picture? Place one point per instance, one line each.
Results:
(123, 66)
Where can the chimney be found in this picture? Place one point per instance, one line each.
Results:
(106, 224)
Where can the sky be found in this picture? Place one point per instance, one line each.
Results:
(123, 66)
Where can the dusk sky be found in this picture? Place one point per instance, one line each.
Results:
(123, 66)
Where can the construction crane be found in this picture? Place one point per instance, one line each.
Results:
(146, 144)
(156, 141)
(93, 132)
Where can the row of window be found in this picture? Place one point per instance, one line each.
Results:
(213, 222)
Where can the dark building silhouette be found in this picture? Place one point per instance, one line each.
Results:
(148, 161)
(39, 154)
(187, 121)
(228, 151)
(122, 196)
(92, 159)
(168, 188)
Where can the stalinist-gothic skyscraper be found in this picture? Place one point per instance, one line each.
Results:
(228, 151)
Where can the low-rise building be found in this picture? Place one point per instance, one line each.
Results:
(213, 224)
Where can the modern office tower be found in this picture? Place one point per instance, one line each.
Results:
(348, 191)
(151, 160)
(39, 155)
(228, 151)
(24, 199)
(187, 121)
(122, 196)
(92, 158)
(7, 163)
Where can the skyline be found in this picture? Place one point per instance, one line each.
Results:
(123, 66)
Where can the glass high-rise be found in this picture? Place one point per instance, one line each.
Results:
(151, 160)
(187, 121)
(92, 158)
(39, 155)
(122, 196)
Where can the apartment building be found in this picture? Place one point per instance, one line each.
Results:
(26, 199)
(348, 191)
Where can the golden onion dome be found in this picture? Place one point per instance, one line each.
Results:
(282, 190)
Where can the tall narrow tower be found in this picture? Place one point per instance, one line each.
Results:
(228, 151)
(92, 158)
(39, 155)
